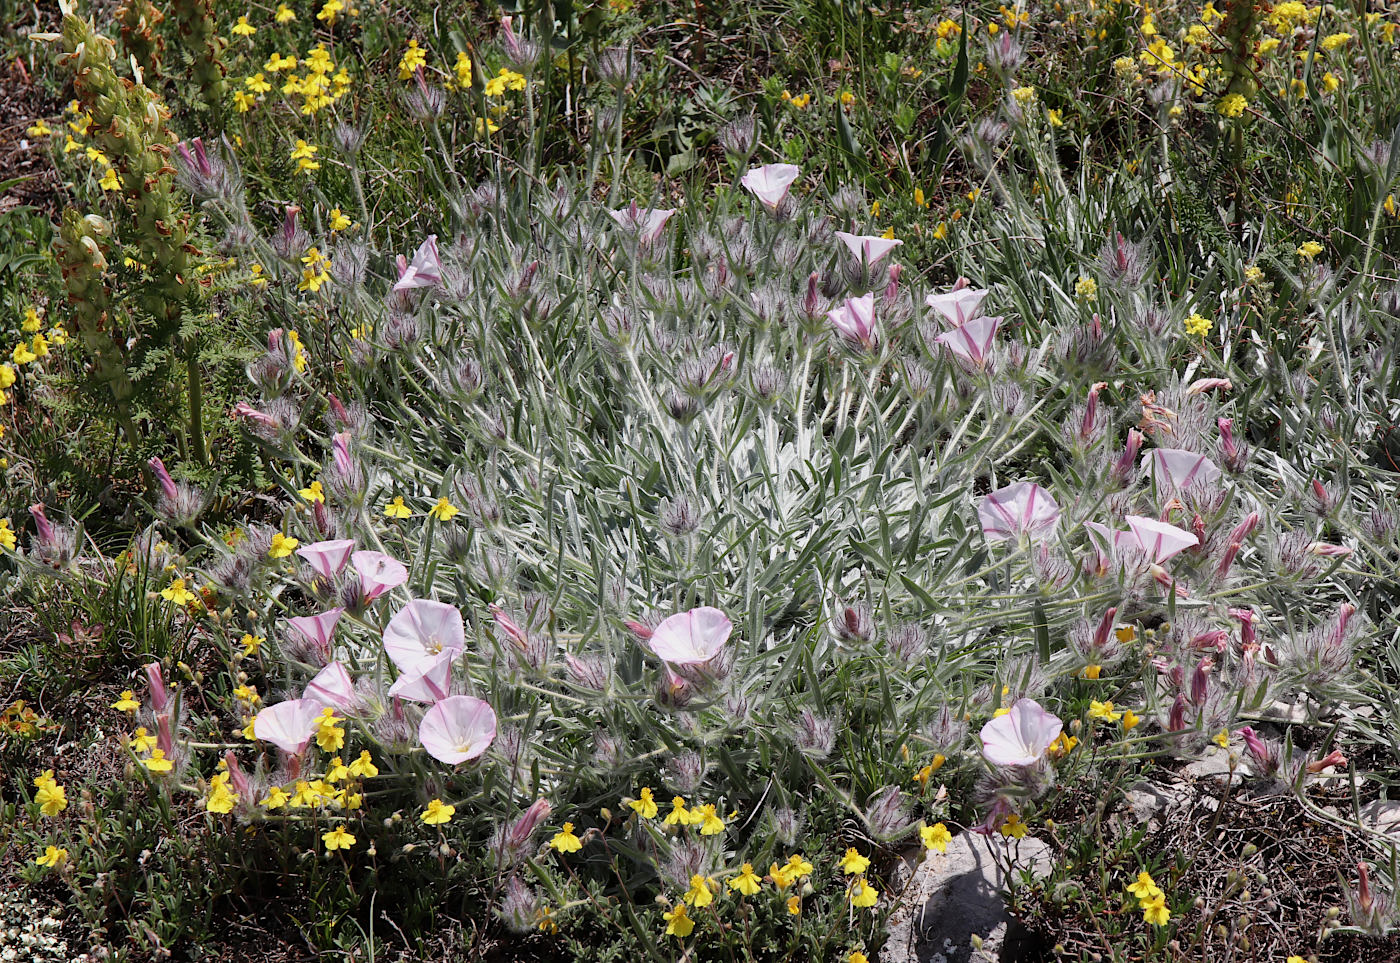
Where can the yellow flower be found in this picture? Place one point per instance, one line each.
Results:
(1126, 634)
(709, 821)
(443, 510)
(244, 102)
(781, 876)
(699, 894)
(936, 837)
(1086, 288)
(1389, 205)
(313, 493)
(364, 766)
(1055, 117)
(177, 592)
(156, 761)
(337, 838)
(919, 200)
(412, 59)
(1024, 96)
(565, 841)
(1130, 719)
(304, 796)
(940, 233)
(247, 693)
(329, 10)
(1145, 888)
(437, 813)
(847, 98)
(329, 736)
(794, 906)
(1155, 912)
(644, 805)
(51, 797)
(284, 14)
(396, 508)
(853, 863)
(243, 28)
(338, 221)
(141, 741)
(1104, 711)
(1309, 250)
(127, 703)
(277, 63)
(251, 643)
(863, 895)
(221, 799)
(257, 84)
(747, 882)
(679, 815)
(1333, 41)
(276, 798)
(1063, 744)
(463, 69)
(1231, 105)
(7, 535)
(53, 855)
(337, 771)
(1222, 738)
(1197, 326)
(678, 924)
(1296, 959)
(39, 129)
(1092, 671)
(1014, 828)
(109, 181)
(282, 545)
(503, 81)
(857, 957)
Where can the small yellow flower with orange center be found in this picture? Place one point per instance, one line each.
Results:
(936, 837)
(709, 821)
(747, 882)
(699, 895)
(644, 805)
(565, 841)
(1103, 711)
(1014, 828)
(157, 762)
(437, 813)
(443, 510)
(678, 923)
(853, 863)
(282, 546)
(863, 895)
(177, 592)
(337, 838)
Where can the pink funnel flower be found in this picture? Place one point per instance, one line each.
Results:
(424, 271)
(41, 522)
(1023, 509)
(971, 340)
(691, 638)
(159, 696)
(327, 558)
(1021, 736)
(423, 628)
(959, 305)
(869, 249)
(289, 725)
(646, 222)
(457, 728)
(428, 681)
(318, 629)
(509, 627)
(332, 687)
(856, 319)
(770, 183)
(1177, 468)
(1158, 539)
(378, 573)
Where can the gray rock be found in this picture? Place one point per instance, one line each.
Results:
(1216, 763)
(948, 897)
(1148, 799)
(1382, 815)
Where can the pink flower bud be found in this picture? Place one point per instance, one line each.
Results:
(237, 777)
(1208, 384)
(1091, 410)
(1200, 681)
(156, 681)
(1176, 718)
(1333, 758)
(167, 483)
(1254, 744)
(520, 831)
(41, 522)
(1105, 627)
(641, 631)
(1126, 464)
